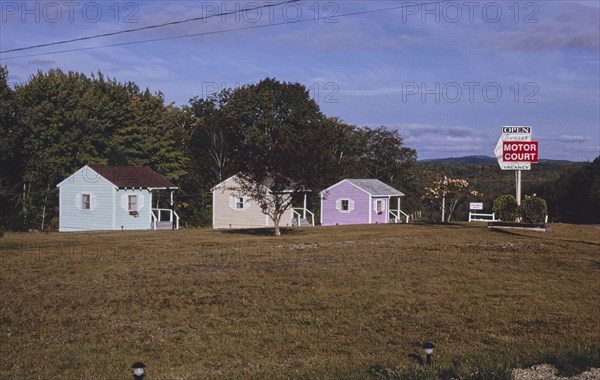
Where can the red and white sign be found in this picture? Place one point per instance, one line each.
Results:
(520, 151)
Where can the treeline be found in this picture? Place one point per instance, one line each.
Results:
(571, 190)
(57, 122)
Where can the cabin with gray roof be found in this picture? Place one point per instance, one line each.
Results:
(360, 201)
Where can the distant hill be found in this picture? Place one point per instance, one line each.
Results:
(479, 160)
(462, 160)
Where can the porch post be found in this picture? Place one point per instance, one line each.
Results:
(304, 210)
(398, 212)
(172, 210)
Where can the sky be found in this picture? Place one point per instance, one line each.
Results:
(446, 74)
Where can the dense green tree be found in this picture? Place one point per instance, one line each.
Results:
(279, 125)
(66, 120)
(579, 194)
(11, 154)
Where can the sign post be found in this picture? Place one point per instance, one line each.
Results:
(515, 151)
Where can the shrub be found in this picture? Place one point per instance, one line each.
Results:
(506, 208)
(533, 209)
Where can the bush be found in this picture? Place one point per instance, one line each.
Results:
(506, 208)
(533, 210)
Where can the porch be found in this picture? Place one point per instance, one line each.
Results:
(395, 216)
(164, 219)
(302, 216)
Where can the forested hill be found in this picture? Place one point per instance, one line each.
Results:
(481, 160)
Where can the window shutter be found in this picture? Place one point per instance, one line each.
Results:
(78, 201)
(338, 205)
(93, 201)
(350, 205)
(232, 202)
(246, 203)
(140, 202)
(124, 202)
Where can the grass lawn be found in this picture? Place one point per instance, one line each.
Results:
(323, 302)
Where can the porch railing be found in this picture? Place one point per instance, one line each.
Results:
(299, 214)
(164, 215)
(397, 216)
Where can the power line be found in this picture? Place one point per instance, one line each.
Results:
(148, 27)
(315, 19)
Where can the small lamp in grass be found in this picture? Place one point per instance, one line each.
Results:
(138, 370)
(428, 347)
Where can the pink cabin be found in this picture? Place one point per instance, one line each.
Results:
(360, 201)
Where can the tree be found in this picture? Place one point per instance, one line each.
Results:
(214, 140)
(11, 153)
(67, 120)
(279, 127)
(446, 193)
(579, 194)
(386, 157)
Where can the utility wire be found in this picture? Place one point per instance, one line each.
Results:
(149, 27)
(315, 19)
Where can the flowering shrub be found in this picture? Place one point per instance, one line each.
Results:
(453, 189)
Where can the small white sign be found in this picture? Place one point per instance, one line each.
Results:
(509, 129)
(476, 206)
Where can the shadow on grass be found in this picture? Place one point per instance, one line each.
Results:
(417, 359)
(540, 237)
(263, 231)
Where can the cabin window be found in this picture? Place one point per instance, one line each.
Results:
(132, 203)
(86, 202)
(239, 203)
(345, 205)
(379, 206)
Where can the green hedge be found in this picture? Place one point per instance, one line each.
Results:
(506, 208)
(533, 210)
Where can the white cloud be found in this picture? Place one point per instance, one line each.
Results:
(571, 139)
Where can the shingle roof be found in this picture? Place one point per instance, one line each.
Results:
(133, 176)
(375, 187)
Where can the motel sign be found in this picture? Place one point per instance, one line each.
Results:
(520, 151)
(515, 151)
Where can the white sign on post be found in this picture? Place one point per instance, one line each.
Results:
(520, 153)
(512, 133)
(476, 206)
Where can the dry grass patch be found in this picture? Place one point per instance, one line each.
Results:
(316, 303)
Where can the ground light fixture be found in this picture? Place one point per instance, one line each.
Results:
(428, 347)
(138, 370)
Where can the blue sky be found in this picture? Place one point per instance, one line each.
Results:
(446, 74)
